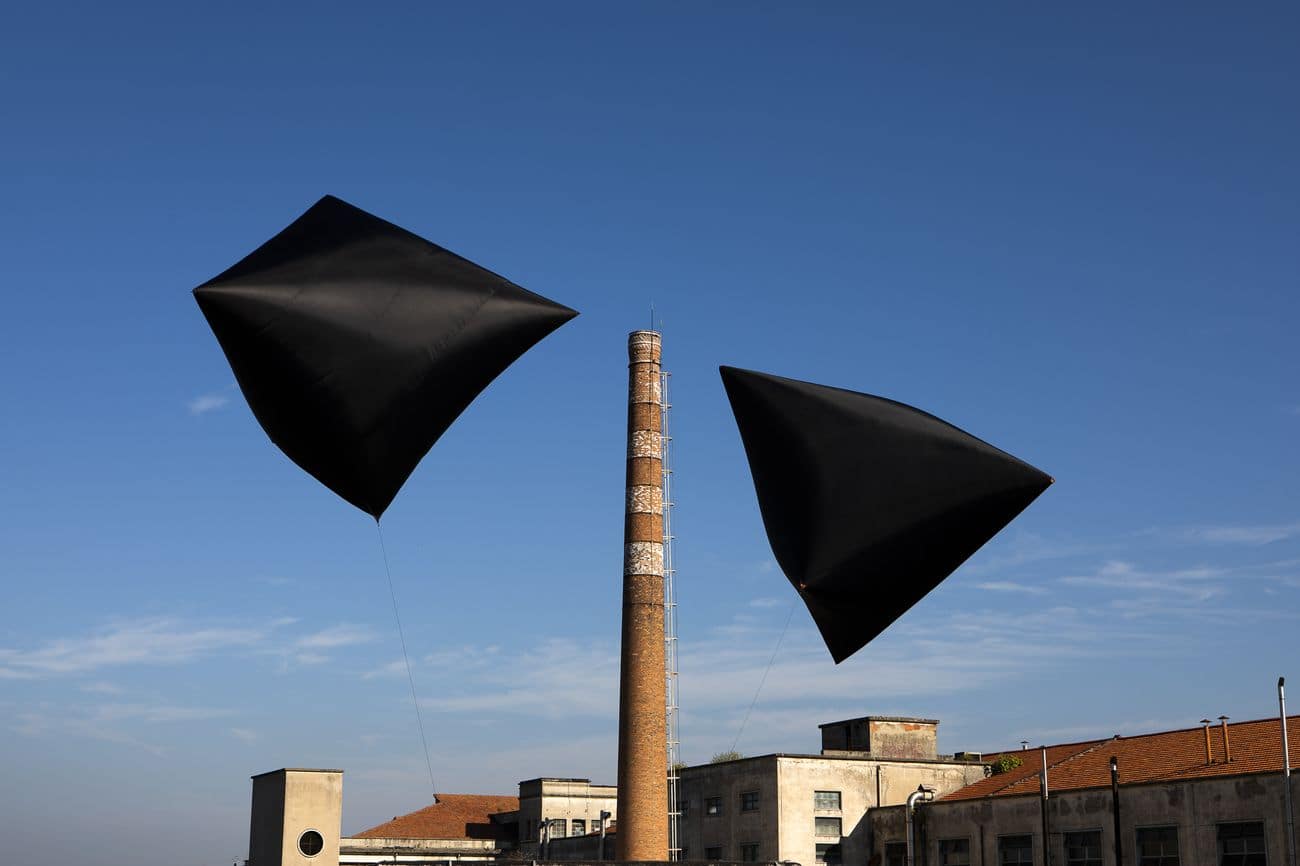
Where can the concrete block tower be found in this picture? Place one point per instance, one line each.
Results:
(642, 727)
(296, 818)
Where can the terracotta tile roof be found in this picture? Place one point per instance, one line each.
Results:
(454, 816)
(1165, 756)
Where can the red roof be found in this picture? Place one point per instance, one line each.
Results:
(454, 816)
(1161, 757)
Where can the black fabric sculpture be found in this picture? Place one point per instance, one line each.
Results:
(357, 343)
(868, 504)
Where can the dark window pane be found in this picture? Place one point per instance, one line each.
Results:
(1083, 848)
(895, 854)
(1241, 844)
(1016, 850)
(829, 855)
(954, 852)
(1157, 846)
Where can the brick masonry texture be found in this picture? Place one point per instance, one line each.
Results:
(642, 760)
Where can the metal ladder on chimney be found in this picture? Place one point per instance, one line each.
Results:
(670, 624)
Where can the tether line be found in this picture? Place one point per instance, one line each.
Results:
(415, 701)
(766, 671)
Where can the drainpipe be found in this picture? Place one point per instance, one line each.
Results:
(924, 795)
(1047, 821)
(1286, 773)
(1114, 806)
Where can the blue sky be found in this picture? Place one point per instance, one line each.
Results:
(1071, 232)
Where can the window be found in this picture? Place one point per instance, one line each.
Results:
(826, 827)
(1157, 846)
(684, 809)
(1083, 848)
(1241, 844)
(954, 852)
(749, 853)
(828, 855)
(896, 854)
(558, 828)
(713, 805)
(310, 843)
(749, 801)
(579, 826)
(712, 853)
(826, 800)
(1016, 850)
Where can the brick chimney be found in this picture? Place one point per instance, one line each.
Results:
(642, 727)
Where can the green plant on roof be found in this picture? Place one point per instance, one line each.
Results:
(1005, 763)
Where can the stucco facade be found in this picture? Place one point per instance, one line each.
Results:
(287, 805)
(812, 808)
(562, 800)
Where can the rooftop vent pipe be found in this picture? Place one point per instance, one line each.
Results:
(924, 795)
(1227, 744)
(1286, 773)
(1209, 756)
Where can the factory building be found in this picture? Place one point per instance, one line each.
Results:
(1192, 797)
(811, 809)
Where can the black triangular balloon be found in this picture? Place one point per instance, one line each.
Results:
(869, 504)
(357, 343)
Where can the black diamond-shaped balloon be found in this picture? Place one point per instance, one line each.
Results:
(869, 504)
(357, 343)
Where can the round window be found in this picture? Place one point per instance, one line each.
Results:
(310, 843)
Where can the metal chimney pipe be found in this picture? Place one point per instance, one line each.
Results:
(922, 794)
(642, 726)
(1227, 744)
(1047, 821)
(1209, 756)
(1286, 773)
(1114, 806)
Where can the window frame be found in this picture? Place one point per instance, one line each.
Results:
(1002, 841)
(839, 827)
(892, 847)
(744, 795)
(943, 851)
(712, 807)
(748, 848)
(1101, 846)
(818, 807)
(1241, 858)
(717, 856)
(822, 849)
(1163, 859)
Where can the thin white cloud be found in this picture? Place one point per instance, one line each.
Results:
(1010, 586)
(244, 734)
(102, 688)
(344, 634)
(205, 403)
(1199, 583)
(155, 713)
(139, 642)
(766, 602)
(1256, 534)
